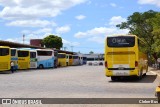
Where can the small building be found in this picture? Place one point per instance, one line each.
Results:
(36, 42)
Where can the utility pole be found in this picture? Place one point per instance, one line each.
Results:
(72, 48)
(23, 38)
(65, 48)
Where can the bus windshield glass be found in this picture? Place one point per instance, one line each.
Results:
(44, 53)
(121, 41)
(13, 52)
(4, 51)
(90, 59)
(84, 58)
(23, 53)
(32, 54)
(75, 57)
(70, 57)
(55, 53)
(61, 56)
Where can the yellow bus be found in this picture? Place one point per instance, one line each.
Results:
(70, 59)
(23, 59)
(62, 59)
(5, 58)
(124, 57)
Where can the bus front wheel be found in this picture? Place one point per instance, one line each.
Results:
(114, 78)
(41, 66)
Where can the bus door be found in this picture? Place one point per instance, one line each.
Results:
(33, 59)
(14, 58)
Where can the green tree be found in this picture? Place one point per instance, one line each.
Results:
(141, 25)
(53, 41)
(91, 52)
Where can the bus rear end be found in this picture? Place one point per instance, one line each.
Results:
(121, 56)
(23, 59)
(5, 58)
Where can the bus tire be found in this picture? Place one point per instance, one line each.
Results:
(114, 78)
(67, 63)
(41, 66)
(144, 74)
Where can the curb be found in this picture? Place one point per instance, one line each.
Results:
(153, 72)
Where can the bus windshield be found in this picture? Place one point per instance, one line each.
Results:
(4, 51)
(61, 56)
(44, 53)
(84, 58)
(121, 41)
(32, 54)
(55, 53)
(75, 57)
(23, 53)
(13, 52)
(70, 57)
(90, 59)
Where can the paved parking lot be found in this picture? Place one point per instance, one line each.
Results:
(73, 82)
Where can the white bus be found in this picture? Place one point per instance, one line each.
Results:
(45, 58)
(76, 60)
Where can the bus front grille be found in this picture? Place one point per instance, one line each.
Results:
(4, 65)
(23, 65)
(32, 64)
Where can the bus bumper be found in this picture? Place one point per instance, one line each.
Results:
(110, 73)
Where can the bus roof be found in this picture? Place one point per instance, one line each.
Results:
(122, 35)
(44, 49)
(4, 47)
(61, 53)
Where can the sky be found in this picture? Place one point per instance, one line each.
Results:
(82, 24)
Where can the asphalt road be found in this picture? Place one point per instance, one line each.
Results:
(74, 82)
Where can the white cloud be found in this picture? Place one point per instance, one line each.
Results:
(98, 34)
(44, 30)
(152, 2)
(37, 34)
(97, 39)
(31, 23)
(31, 9)
(116, 20)
(80, 17)
(113, 5)
(68, 43)
(63, 29)
(100, 31)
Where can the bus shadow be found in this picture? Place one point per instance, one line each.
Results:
(5, 72)
(145, 79)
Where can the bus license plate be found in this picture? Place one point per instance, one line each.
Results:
(121, 73)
